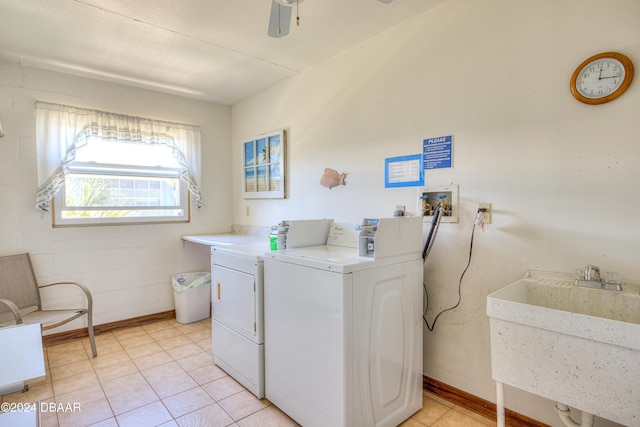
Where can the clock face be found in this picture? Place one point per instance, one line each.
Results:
(600, 78)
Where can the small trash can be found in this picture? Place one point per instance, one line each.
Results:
(192, 296)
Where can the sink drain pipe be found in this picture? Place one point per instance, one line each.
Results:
(565, 415)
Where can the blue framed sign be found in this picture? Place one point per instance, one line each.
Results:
(403, 171)
(438, 152)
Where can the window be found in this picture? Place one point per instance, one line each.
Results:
(111, 196)
(121, 183)
(118, 170)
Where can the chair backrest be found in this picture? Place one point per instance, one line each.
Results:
(18, 282)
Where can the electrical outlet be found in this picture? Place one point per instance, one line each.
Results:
(487, 211)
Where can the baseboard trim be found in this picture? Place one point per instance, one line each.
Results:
(63, 337)
(475, 404)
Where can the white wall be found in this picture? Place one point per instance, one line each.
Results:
(127, 268)
(562, 176)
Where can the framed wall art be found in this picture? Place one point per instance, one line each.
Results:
(264, 166)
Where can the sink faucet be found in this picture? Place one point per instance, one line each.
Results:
(591, 272)
(592, 279)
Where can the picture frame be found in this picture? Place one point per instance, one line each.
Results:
(264, 166)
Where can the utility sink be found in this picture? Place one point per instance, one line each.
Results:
(574, 345)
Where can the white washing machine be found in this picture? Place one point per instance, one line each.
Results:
(237, 318)
(343, 332)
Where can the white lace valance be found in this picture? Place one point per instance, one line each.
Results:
(61, 130)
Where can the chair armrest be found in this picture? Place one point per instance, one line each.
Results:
(14, 309)
(86, 291)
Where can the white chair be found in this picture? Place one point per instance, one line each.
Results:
(20, 296)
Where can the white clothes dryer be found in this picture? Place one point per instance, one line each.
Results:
(237, 320)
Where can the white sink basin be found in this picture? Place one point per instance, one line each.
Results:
(574, 345)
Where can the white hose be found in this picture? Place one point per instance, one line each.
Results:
(565, 416)
(587, 419)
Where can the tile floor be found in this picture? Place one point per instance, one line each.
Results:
(162, 374)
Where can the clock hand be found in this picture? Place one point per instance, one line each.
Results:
(610, 77)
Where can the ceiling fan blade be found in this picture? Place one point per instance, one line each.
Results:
(279, 20)
(385, 1)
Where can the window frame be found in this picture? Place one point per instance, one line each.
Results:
(106, 170)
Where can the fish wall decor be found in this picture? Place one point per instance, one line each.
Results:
(331, 178)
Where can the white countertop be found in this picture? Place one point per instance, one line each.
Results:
(222, 239)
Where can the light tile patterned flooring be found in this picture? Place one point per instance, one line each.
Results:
(162, 374)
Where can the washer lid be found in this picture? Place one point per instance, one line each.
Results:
(334, 258)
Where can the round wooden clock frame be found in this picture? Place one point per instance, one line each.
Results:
(628, 77)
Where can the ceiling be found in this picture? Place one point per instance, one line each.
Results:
(213, 50)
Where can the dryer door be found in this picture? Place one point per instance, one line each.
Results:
(233, 295)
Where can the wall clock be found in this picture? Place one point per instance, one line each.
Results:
(601, 78)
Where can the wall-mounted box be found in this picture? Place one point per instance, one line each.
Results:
(431, 196)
